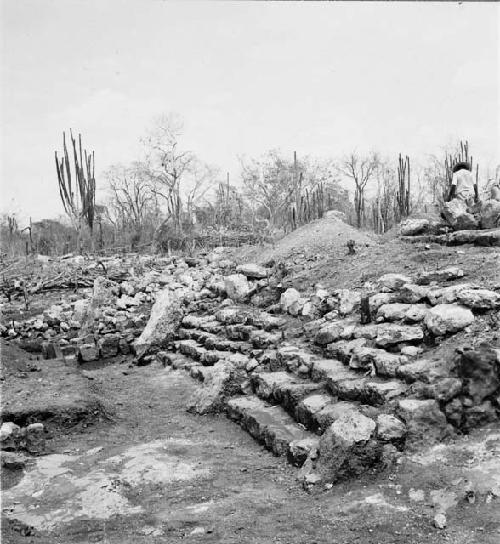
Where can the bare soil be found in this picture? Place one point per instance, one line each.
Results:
(158, 474)
(50, 391)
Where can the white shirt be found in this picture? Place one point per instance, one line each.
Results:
(465, 184)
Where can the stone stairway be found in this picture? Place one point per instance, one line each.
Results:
(336, 375)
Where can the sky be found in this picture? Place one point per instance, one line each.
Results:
(317, 78)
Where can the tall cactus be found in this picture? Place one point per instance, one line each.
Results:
(403, 192)
(78, 197)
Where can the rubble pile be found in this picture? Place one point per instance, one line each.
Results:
(336, 380)
(460, 227)
(340, 381)
(109, 319)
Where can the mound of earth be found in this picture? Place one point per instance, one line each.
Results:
(327, 235)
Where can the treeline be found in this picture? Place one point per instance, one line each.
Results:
(171, 199)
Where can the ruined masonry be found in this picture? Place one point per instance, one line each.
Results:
(339, 382)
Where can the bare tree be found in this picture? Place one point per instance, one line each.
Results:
(201, 178)
(168, 164)
(132, 197)
(77, 185)
(361, 170)
(269, 184)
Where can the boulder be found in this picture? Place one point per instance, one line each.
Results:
(349, 301)
(8, 429)
(479, 299)
(221, 381)
(108, 345)
(424, 420)
(423, 370)
(411, 293)
(124, 346)
(289, 300)
(331, 332)
(416, 313)
(13, 461)
(310, 310)
(336, 330)
(412, 227)
(51, 350)
(375, 301)
(166, 315)
(87, 353)
(392, 312)
(390, 428)
(35, 439)
(348, 447)
(390, 333)
(490, 214)
(448, 318)
(478, 369)
(478, 416)
(80, 309)
(454, 412)
(237, 287)
(400, 312)
(127, 288)
(445, 274)
(104, 292)
(383, 362)
(457, 216)
(392, 282)
(411, 351)
(252, 270)
(447, 295)
(343, 349)
(442, 389)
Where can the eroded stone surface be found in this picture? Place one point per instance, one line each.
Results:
(448, 318)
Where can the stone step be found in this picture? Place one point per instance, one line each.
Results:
(193, 350)
(319, 410)
(347, 384)
(248, 315)
(178, 361)
(204, 323)
(262, 339)
(239, 332)
(283, 388)
(273, 427)
(213, 341)
(294, 358)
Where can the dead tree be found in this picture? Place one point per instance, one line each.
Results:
(360, 170)
(77, 186)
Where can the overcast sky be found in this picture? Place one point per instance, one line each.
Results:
(319, 78)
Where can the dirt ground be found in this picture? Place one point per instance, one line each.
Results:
(155, 473)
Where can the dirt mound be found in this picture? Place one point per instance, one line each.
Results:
(329, 234)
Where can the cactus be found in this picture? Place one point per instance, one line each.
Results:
(403, 191)
(78, 198)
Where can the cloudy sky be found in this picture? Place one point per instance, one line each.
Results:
(319, 78)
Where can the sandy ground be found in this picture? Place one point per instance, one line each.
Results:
(158, 474)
